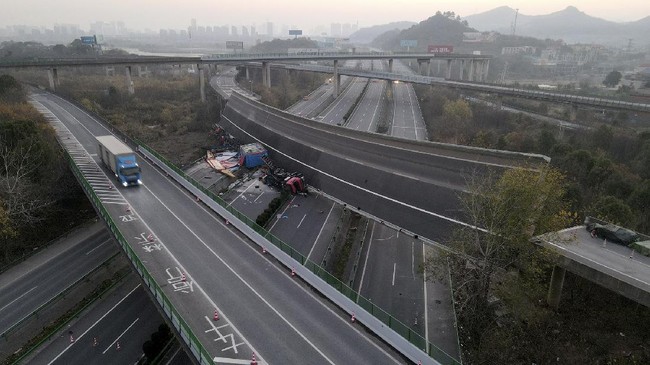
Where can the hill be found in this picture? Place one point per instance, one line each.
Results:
(570, 25)
(366, 35)
(283, 45)
(438, 29)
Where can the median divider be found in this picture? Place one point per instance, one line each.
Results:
(400, 336)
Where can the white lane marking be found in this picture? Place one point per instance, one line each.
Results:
(365, 262)
(173, 357)
(196, 284)
(225, 360)
(413, 259)
(421, 210)
(394, 269)
(239, 196)
(281, 214)
(321, 231)
(259, 196)
(120, 336)
(93, 325)
(303, 218)
(15, 300)
(426, 300)
(250, 287)
(98, 246)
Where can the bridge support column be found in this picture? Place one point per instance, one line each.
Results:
(438, 64)
(555, 288)
(462, 69)
(201, 71)
(449, 61)
(486, 69)
(266, 74)
(129, 82)
(470, 74)
(390, 65)
(53, 78)
(248, 75)
(429, 67)
(337, 79)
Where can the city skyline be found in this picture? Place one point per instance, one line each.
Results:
(167, 15)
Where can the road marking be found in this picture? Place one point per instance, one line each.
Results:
(242, 193)
(13, 301)
(98, 246)
(225, 360)
(321, 231)
(394, 269)
(173, 357)
(303, 218)
(281, 214)
(250, 287)
(93, 325)
(255, 201)
(120, 336)
(413, 259)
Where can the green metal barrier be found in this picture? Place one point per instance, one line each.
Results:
(399, 327)
(183, 328)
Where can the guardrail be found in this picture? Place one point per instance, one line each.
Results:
(185, 332)
(400, 336)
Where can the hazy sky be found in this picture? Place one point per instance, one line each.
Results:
(155, 14)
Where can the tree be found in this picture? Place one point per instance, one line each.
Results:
(456, 116)
(508, 211)
(612, 79)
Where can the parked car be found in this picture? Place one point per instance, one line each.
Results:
(613, 233)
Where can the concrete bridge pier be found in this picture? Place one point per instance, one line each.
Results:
(129, 82)
(486, 69)
(472, 71)
(390, 65)
(555, 288)
(110, 70)
(201, 71)
(462, 70)
(438, 65)
(448, 76)
(266, 74)
(337, 79)
(53, 78)
(248, 74)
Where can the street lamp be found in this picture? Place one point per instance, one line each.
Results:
(250, 83)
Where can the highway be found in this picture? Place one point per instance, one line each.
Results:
(112, 331)
(407, 117)
(266, 312)
(371, 171)
(225, 83)
(370, 107)
(27, 286)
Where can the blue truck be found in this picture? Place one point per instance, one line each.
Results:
(120, 159)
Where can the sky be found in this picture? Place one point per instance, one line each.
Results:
(176, 14)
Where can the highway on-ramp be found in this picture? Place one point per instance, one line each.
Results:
(267, 312)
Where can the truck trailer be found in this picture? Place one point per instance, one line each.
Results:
(120, 159)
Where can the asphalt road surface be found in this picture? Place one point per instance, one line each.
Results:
(110, 332)
(34, 282)
(407, 117)
(265, 311)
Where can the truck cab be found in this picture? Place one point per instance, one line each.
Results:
(129, 171)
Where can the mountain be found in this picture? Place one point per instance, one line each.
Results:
(366, 35)
(570, 24)
(438, 29)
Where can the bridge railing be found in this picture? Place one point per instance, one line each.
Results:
(402, 337)
(177, 321)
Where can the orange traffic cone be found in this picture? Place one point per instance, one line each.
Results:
(293, 272)
(117, 346)
(95, 343)
(216, 316)
(263, 249)
(71, 339)
(183, 278)
(227, 222)
(150, 237)
(128, 209)
(353, 318)
(253, 360)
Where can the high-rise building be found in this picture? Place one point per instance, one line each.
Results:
(335, 29)
(244, 31)
(253, 31)
(269, 29)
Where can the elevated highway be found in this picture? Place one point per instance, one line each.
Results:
(166, 233)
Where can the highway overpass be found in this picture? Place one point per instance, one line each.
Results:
(262, 308)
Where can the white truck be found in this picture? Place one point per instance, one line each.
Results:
(120, 159)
